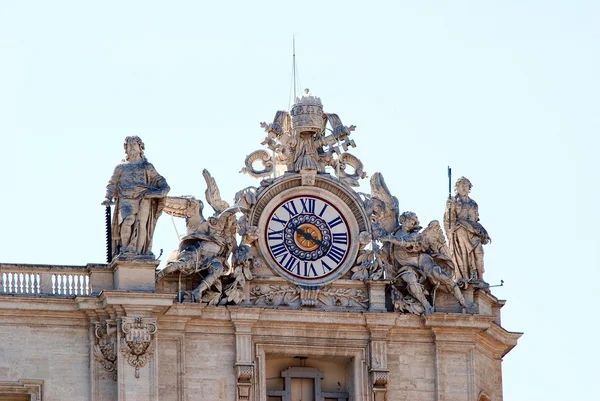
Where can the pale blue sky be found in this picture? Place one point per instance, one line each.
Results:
(506, 92)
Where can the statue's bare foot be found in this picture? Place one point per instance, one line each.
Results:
(196, 295)
(469, 305)
(159, 275)
(428, 309)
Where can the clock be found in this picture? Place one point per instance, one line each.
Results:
(309, 236)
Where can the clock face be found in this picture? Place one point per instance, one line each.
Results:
(307, 237)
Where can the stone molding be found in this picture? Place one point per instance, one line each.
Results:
(33, 388)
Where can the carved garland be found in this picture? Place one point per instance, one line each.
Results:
(137, 341)
(285, 295)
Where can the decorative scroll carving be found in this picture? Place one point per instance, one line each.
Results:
(105, 348)
(137, 341)
(265, 158)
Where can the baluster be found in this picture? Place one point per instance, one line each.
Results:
(53, 279)
(88, 290)
(10, 281)
(21, 289)
(63, 284)
(26, 280)
(3, 284)
(37, 283)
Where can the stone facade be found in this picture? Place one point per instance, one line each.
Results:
(237, 352)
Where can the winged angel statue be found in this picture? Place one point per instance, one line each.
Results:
(417, 260)
(210, 243)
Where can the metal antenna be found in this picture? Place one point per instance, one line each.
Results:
(294, 62)
(295, 77)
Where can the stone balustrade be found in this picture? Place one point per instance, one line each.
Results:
(52, 280)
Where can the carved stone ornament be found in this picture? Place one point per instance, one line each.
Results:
(244, 377)
(299, 144)
(379, 378)
(105, 347)
(328, 296)
(136, 343)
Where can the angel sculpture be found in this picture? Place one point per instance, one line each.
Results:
(209, 243)
(413, 256)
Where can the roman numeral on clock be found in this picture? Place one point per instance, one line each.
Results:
(335, 222)
(277, 219)
(278, 249)
(290, 207)
(340, 238)
(336, 254)
(308, 205)
(276, 235)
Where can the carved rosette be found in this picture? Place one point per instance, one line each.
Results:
(244, 377)
(105, 347)
(136, 343)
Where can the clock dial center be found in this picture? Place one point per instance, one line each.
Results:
(308, 237)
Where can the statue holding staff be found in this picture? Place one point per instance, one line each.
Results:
(139, 195)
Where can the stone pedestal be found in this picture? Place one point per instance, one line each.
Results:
(101, 277)
(377, 295)
(134, 274)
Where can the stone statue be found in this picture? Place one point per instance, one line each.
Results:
(466, 235)
(299, 142)
(209, 243)
(413, 258)
(139, 194)
(419, 256)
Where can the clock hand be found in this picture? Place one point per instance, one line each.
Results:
(308, 236)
